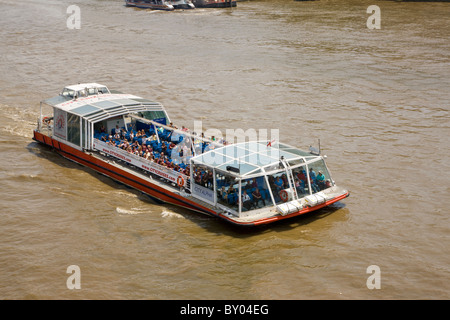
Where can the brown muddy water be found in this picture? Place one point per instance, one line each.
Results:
(378, 100)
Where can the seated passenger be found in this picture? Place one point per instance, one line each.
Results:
(301, 175)
(223, 193)
(251, 184)
(279, 184)
(257, 197)
(320, 180)
(246, 201)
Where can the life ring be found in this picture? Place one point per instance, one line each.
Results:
(180, 181)
(284, 195)
(46, 120)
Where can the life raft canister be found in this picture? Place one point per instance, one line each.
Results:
(284, 195)
(180, 181)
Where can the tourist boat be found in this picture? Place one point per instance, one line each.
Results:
(247, 183)
(214, 3)
(150, 4)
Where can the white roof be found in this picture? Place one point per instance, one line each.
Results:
(81, 86)
(99, 107)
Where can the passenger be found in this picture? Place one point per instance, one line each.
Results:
(205, 179)
(123, 134)
(279, 184)
(251, 184)
(102, 129)
(301, 175)
(246, 201)
(149, 155)
(162, 158)
(164, 148)
(312, 176)
(297, 185)
(223, 194)
(320, 180)
(300, 186)
(231, 190)
(123, 145)
(257, 197)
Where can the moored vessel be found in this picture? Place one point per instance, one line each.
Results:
(132, 140)
(150, 4)
(214, 3)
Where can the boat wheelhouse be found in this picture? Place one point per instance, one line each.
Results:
(182, 4)
(132, 140)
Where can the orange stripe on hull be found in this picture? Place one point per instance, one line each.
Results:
(120, 175)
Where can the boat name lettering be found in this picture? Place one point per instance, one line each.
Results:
(138, 162)
(203, 192)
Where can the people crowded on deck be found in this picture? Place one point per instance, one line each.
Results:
(141, 143)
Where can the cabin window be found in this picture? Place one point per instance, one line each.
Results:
(73, 129)
(158, 116)
(68, 93)
(279, 185)
(319, 176)
(301, 181)
(203, 185)
(258, 192)
(227, 188)
(103, 90)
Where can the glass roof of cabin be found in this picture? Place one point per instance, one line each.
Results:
(101, 107)
(249, 158)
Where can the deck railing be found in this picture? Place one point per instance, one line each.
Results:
(161, 171)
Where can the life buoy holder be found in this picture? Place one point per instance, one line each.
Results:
(284, 195)
(180, 181)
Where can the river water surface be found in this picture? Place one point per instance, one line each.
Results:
(378, 100)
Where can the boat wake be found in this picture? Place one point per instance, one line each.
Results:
(127, 211)
(170, 214)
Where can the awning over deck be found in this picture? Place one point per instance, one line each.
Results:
(103, 106)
